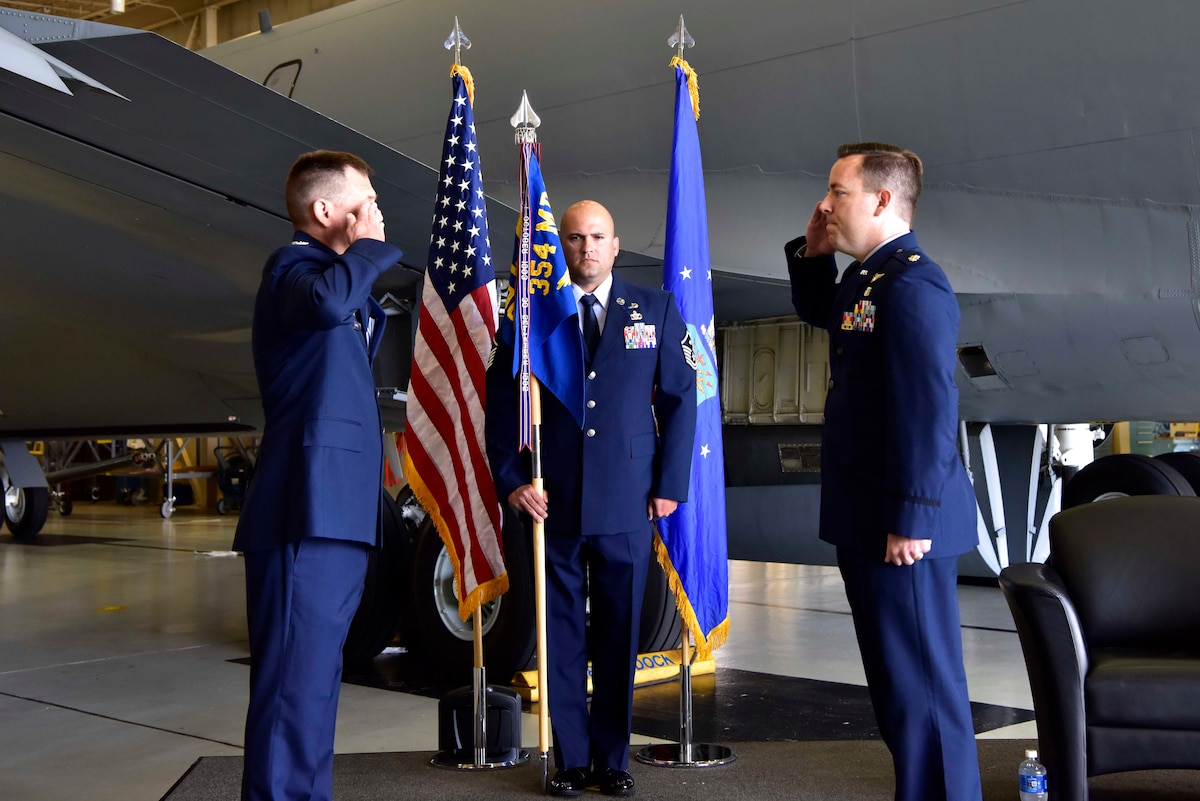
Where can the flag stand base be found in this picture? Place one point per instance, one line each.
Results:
(670, 755)
(685, 753)
(465, 760)
(462, 720)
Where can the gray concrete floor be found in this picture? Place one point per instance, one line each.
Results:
(117, 629)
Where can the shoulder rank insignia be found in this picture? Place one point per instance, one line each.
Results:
(915, 257)
(689, 351)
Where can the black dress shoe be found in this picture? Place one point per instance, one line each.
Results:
(570, 782)
(615, 782)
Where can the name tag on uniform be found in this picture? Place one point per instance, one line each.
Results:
(639, 336)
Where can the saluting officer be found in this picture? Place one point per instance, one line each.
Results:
(895, 498)
(312, 509)
(604, 483)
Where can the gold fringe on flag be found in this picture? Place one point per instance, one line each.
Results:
(693, 81)
(704, 644)
(458, 69)
(488, 591)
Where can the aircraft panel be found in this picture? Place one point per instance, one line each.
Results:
(144, 224)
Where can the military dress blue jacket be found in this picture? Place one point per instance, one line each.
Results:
(320, 463)
(599, 478)
(889, 456)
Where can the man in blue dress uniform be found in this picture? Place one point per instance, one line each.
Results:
(628, 465)
(312, 508)
(895, 498)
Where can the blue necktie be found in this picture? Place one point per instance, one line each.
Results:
(591, 325)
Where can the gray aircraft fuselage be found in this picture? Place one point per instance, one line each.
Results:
(1058, 138)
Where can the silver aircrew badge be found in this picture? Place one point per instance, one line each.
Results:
(635, 315)
(876, 277)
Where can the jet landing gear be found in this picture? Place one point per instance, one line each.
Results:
(1125, 474)
(25, 508)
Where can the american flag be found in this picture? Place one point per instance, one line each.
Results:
(445, 458)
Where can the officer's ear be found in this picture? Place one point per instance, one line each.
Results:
(321, 212)
(885, 200)
(616, 240)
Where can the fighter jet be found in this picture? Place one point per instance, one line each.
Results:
(1061, 198)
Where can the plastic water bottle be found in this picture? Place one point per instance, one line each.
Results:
(1033, 778)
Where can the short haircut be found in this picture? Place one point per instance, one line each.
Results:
(890, 167)
(318, 174)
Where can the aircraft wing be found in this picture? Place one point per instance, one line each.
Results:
(141, 186)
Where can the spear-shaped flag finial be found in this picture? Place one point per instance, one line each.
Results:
(525, 121)
(681, 38)
(457, 42)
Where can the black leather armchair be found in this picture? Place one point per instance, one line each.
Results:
(1110, 629)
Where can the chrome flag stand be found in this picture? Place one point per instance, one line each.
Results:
(685, 753)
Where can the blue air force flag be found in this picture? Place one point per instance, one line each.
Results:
(691, 543)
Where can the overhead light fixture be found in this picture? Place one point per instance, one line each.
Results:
(117, 6)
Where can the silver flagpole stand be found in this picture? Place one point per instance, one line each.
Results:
(478, 755)
(685, 753)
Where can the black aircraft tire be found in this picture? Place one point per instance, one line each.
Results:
(661, 623)
(1121, 475)
(31, 513)
(385, 591)
(509, 636)
(1186, 464)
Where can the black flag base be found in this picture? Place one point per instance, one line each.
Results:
(480, 714)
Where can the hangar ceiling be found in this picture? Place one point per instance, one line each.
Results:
(196, 24)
